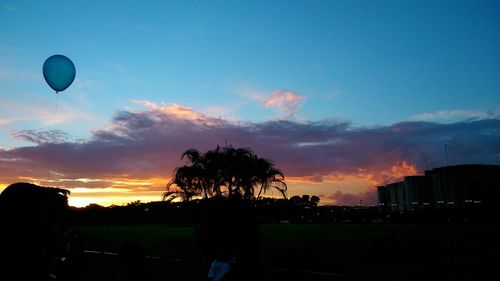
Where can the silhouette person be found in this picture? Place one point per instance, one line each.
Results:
(228, 227)
(222, 266)
(68, 259)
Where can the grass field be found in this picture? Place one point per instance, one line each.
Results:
(321, 251)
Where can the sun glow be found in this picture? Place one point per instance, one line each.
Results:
(122, 191)
(80, 200)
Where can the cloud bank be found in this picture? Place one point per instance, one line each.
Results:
(147, 144)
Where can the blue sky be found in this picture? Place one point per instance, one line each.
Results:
(368, 63)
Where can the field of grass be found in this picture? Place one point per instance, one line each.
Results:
(155, 240)
(349, 251)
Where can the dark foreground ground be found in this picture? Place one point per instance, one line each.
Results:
(313, 252)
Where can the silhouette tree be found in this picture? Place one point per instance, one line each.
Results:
(187, 182)
(295, 200)
(304, 201)
(224, 172)
(32, 220)
(315, 200)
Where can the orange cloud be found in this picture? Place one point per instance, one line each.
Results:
(177, 111)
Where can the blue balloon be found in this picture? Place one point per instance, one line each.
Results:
(59, 72)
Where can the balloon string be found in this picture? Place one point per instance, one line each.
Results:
(57, 101)
(54, 121)
(55, 111)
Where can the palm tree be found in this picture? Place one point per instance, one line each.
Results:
(224, 172)
(269, 177)
(182, 184)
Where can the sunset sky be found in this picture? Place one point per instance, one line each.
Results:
(341, 95)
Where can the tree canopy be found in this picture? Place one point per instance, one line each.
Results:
(224, 172)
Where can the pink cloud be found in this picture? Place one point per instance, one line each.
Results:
(286, 102)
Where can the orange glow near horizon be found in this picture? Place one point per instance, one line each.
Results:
(102, 197)
(122, 190)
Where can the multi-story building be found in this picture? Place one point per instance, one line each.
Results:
(393, 196)
(455, 187)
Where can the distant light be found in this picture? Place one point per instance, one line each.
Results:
(478, 202)
(468, 201)
(426, 204)
(414, 203)
(440, 202)
(450, 203)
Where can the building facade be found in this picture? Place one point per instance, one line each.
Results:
(451, 187)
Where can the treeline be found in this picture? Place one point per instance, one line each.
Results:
(297, 209)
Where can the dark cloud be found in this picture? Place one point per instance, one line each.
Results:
(149, 144)
(37, 136)
(77, 183)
